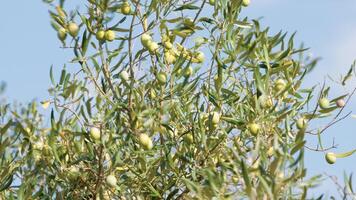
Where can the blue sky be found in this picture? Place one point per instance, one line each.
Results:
(29, 46)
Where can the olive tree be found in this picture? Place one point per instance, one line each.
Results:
(168, 100)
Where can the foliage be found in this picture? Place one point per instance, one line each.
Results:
(167, 100)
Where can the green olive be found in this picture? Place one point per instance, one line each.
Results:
(170, 59)
(152, 94)
(330, 157)
(145, 39)
(110, 35)
(168, 45)
(215, 118)
(111, 180)
(100, 35)
(188, 138)
(145, 141)
(301, 123)
(266, 102)
(162, 77)
(254, 128)
(95, 133)
(73, 29)
(125, 8)
(324, 103)
(280, 85)
(152, 47)
(73, 173)
(245, 3)
(62, 34)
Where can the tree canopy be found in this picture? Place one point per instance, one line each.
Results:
(169, 100)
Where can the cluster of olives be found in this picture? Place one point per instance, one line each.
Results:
(211, 120)
(149, 44)
(108, 35)
(144, 140)
(194, 57)
(95, 134)
(71, 28)
(169, 53)
(324, 103)
(266, 102)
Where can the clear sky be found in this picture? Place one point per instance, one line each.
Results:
(29, 46)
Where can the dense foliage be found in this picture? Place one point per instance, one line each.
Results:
(167, 100)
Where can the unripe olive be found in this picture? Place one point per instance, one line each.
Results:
(100, 35)
(94, 133)
(162, 77)
(254, 128)
(301, 123)
(324, 103)
(235, 179)
(173, 133)
(330, 157)
(200, 57)
(110, 35)
(152, 94)
(280, 85)
(212, 2)
(28, 130)
(124, 75)
(215, 118)
(125, 8)
(145, 39)
(145, 141)
(188, 71)
(111, 180)
(152, 47)
(266, 101)
(245, 2)
(188, 138)
(62, 34)
(73, 29)
(73, 172)
(168, 45)
(340, 103)
(170, 59)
